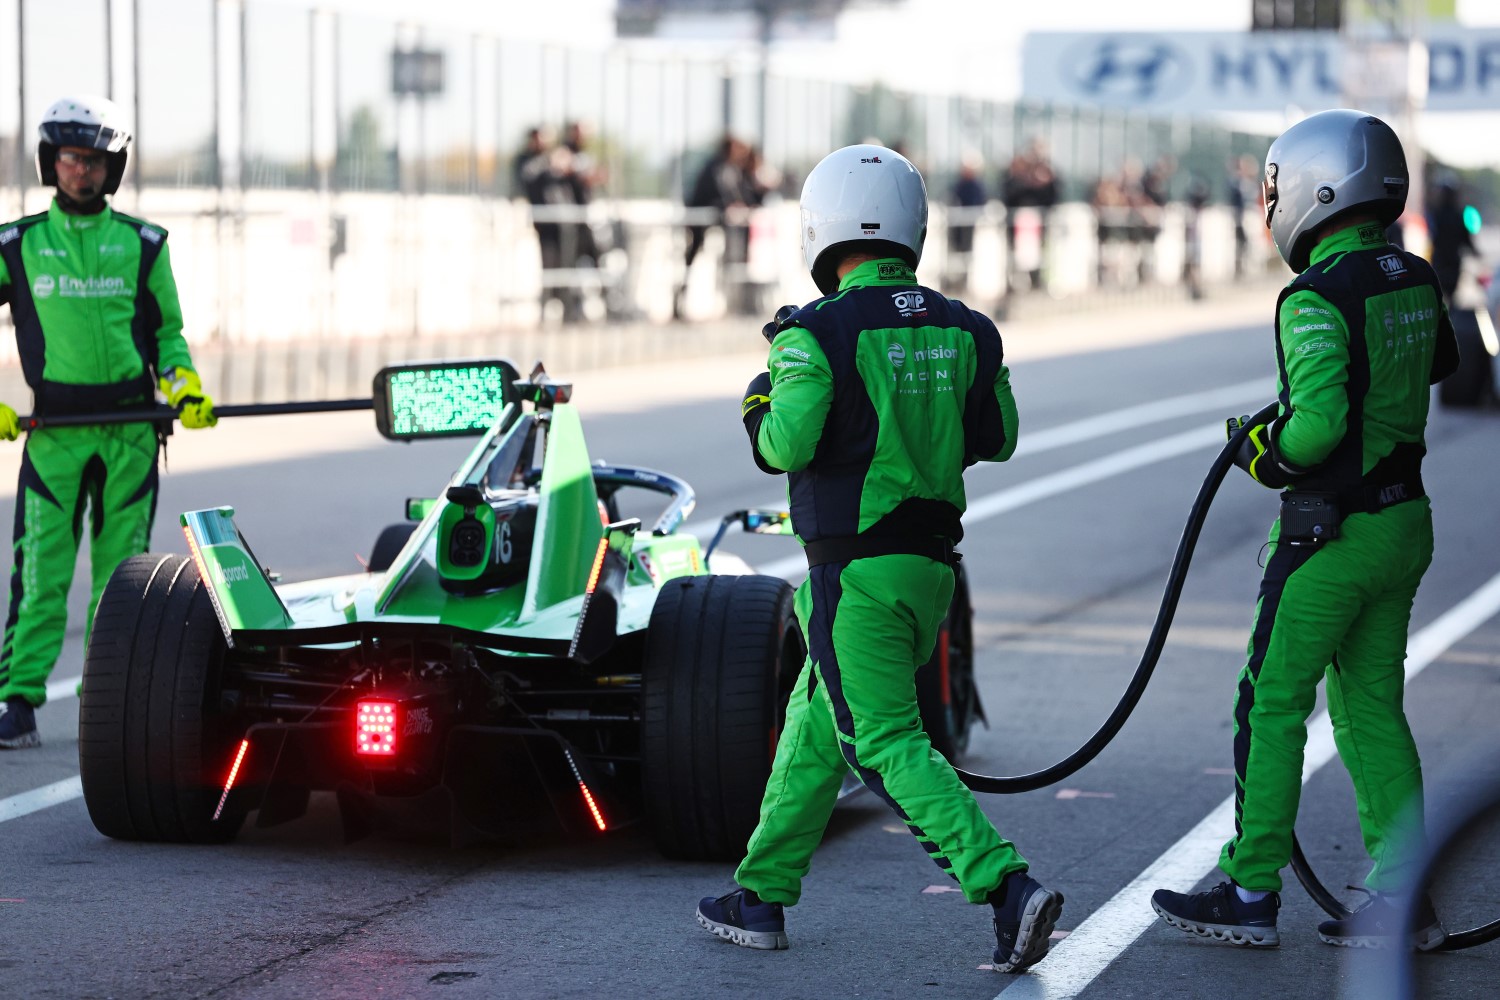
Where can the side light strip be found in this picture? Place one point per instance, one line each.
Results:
(598, 564)
(588, 796)
(234, 772)
(213, 593)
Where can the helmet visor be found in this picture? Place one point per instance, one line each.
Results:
(1268, 189)
(85, 136)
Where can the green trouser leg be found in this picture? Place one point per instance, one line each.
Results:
(1341, 610)
(869, 625)
(110, 469)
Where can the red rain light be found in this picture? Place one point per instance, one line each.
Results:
(375, 728)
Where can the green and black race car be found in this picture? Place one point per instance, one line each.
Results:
(517, 658)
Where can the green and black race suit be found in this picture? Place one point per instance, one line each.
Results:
(97, 318)
(881, 395)
(1360, 336)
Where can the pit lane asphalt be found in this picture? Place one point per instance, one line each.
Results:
(1065, 588)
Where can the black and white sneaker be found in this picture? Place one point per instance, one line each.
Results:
(1221, 914)
(1378, 922)
(745, 919)
(1025, 914)
(18, 726)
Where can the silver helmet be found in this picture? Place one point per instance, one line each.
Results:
(1327, 165)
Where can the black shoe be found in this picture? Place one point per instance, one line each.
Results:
(745, 919)
(1220, 914)
(1377, 923)
(18, 725)
(1025, 914)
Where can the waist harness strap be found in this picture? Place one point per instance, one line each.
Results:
(1396, 478)
(851, 547)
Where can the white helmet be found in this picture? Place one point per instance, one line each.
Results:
(87, 121)
(1328, 165)
(861, 194)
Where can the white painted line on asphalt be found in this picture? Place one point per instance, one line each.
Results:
(60, 688)
(38, 799)
(1225, 399)
(1077, 961)
(995, 504)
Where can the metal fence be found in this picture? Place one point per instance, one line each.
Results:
(270, 130)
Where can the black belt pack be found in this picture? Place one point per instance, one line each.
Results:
(1309, 519)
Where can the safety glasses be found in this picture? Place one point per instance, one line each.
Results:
(81, 161)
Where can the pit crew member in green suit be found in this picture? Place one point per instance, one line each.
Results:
(98, 328)
(878, 396)
(1361, 333)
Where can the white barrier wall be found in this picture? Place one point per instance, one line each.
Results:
(262, 269)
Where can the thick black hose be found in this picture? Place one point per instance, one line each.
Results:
(1176, 577)
(1010, 785)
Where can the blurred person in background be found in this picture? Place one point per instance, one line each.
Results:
(552, 188)
(1029, 182)
(968, 196)
(720, 186)
(528, 161)
(1449, 232)
(883, 393)
(586, 174)
(98, 329)
(1242, 194)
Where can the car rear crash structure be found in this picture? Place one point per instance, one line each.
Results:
(517, 658)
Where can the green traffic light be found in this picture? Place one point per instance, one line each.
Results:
(1471, 219)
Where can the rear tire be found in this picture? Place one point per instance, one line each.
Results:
(1474, 381)
(389, 545)
(153, 751)
(721, 655)
(947, 697)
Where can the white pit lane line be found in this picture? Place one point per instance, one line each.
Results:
(1078, 959)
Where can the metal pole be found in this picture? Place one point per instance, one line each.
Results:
(109, 49)
(21, 101)
(135, 96)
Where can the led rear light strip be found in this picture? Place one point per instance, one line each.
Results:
(588, 796)
(234, 772)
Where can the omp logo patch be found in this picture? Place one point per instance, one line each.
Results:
(897, 354)
(43, 285)
(1315, 346)
(1392, 264)
(909, 302)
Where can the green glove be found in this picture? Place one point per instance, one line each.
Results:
(185, 394)
(10, 424)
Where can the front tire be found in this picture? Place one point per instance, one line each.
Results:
(721, 655)
(153, 751)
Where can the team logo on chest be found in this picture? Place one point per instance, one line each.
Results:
(909, 302)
